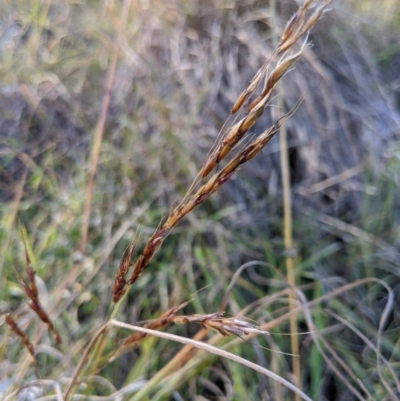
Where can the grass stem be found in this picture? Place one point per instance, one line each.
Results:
(287, 224)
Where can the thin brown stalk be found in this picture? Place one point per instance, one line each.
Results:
(289, 36)
(289, 252)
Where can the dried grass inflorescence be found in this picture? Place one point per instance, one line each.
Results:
(31, 291)
(19, 333)
(218, 322)
(271, 71)
(163, 320)
(214, 321)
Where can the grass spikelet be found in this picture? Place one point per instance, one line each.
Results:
(31, 291)
(163, 320)
(119, 280)
(252, 86)
(299, 25)
(315, 17)
(296, 27)
(19, 333)
(281, 69)
(150, 249)
(30, 288)
(293, 28)
(218, 322)
(307, 3)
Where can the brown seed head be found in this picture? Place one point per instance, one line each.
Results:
(32, 293)
(163, 320)
(293, 28)
(217, 322)
(119, 280)
(19, 333)
(251, 87)
(315, 17)
(307, 3)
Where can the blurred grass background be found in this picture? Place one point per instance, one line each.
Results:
(179, 68)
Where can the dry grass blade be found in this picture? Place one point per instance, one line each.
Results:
(213, 350)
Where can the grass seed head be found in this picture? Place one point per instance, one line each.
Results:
(163, 320)
(218, 322)
(19, 333)
(293, 29)
(315, 17)
(32, 293)
(119, 280)
(292, 32)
